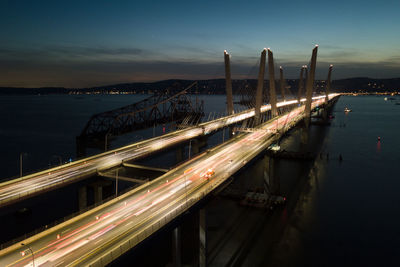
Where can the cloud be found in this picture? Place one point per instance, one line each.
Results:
(85, 67)
(53, 53)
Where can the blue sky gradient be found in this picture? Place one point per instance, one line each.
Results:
(88, 43)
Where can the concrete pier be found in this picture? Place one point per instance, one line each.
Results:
(202, 237)
(179, 154)
(82, 198)
(176, 247)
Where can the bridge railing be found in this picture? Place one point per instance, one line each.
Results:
(136, 238)
(61, 220)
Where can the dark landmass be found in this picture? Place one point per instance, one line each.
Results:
(214, 86)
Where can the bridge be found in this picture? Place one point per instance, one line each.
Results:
(162, 107)
(37, 183)
(99, 236)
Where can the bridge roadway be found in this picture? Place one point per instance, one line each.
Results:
(100, 235)
(27, 186)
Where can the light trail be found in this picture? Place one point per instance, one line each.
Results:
(45, 180)
(78, 241)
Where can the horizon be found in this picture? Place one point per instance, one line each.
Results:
(74, 44)
(166, 80)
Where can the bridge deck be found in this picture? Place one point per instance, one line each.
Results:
(100, 235)
(27, 186)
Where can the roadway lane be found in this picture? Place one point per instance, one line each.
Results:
(20, 188)
(85, 239)
(31, 184)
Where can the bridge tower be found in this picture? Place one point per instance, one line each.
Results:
(272, 92)
(301, 82)
(305, 74)
(328, 84)
(310, 85)
(282, 83)
(228, 81)
(260, 86)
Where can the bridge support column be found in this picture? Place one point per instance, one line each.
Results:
(271, 180)
(310, 85)
(304, 138)
(179, 154)
(198, 143)
(228, 81)
(202, 238)
(176, 247)
(82, 197)
(328, 85)
(327, 90)
(272, 92)
(282, 83)
(301, 83)
(98, 187)
(260, 87)
(325, 113)
(98, 193)
(273, 177)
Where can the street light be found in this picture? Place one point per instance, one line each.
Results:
(20, 162)
(30, 249)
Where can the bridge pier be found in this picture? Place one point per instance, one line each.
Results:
(98, 193)
(202, 237)
(176, 247)
(198, 143)
(325, 112)
(82, 197)
(271, 180)
(179, 154)
(193, 148)
(304, 136)
(98, 190)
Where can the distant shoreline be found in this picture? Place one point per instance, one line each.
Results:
(214, 87)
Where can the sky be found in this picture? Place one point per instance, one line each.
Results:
(91, 43)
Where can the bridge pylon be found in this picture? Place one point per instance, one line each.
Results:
(328, 84)
(272, 92)
(301, 82)
(310, 86)
(282, 83)
(228, 82)
(260, 86)
(327, 90)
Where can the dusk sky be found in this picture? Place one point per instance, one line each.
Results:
(89, 43)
